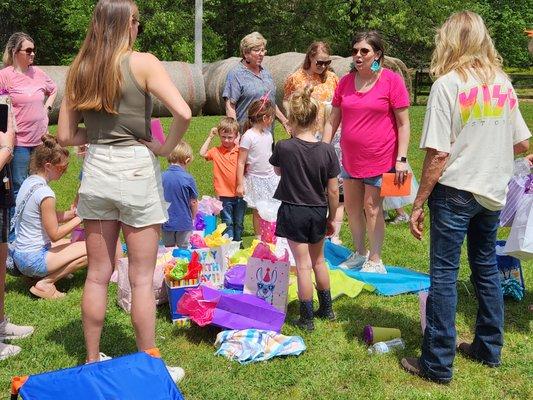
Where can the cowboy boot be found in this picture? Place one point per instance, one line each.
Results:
(306, 316)
(325, 308)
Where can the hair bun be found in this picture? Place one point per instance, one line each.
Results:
(307, 92)
(49, 141)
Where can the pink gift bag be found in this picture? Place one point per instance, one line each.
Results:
(157, 130)
(268, 231)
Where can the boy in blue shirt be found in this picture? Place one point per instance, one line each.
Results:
(180, 191)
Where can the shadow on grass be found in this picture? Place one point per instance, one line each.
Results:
(516, 314)
(22, 284)
(357, 316)
(114, 340)
(194, 334)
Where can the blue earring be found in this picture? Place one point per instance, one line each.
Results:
(375, 66)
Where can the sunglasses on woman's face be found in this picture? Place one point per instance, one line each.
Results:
(325, 63)
(364, 51)
(28, 51)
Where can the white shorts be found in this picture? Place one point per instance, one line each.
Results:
(122, 183)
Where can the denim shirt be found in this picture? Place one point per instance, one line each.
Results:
(243, 87)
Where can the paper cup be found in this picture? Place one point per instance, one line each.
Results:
(374, 334)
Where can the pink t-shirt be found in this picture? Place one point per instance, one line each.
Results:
(369, 133)
(27, 92)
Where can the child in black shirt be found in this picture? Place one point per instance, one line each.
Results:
(308, 187)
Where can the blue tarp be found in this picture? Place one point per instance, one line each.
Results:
(397, 280)
(137, 376)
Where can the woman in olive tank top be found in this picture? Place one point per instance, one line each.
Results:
(108, 87)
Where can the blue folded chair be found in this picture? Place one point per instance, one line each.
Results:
(137, 376)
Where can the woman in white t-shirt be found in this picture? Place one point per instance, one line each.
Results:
(37, 224)
(472, 130)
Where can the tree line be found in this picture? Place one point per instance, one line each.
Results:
(59, 26)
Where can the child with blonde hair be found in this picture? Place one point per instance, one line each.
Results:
(259, 181)
(224, 159)
(309, 196)
(180, 191)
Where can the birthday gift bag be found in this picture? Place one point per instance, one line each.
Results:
(267, 276)
(520, 241)
(124, 288)
(213, 265)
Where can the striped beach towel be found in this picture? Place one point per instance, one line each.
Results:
(252, 345)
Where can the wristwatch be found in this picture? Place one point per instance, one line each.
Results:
(401, 159)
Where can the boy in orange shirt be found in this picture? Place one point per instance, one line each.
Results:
(224, 159)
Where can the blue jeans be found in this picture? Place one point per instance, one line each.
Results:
(19, 170)
(232, 214)
(19, 166)
(455, 214)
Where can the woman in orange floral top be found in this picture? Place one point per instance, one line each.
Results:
(315, 71)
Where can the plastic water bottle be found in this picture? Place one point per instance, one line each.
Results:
(385, 347)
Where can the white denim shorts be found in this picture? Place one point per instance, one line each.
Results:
(122, 183)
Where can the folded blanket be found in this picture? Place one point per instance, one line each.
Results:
(251, 345)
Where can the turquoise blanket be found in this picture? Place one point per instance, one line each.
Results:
(397, 280)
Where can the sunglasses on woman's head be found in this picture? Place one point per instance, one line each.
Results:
(323, 63)
(364, 51)
(28, 51)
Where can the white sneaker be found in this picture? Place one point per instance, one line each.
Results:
(103, 357)
(354, 261)
(374, 267)
(176, 373)
(10, 331)
(8, 350)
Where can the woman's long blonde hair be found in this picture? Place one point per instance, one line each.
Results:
(94, 79)
(463, 44)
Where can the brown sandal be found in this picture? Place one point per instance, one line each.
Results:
(50, 294)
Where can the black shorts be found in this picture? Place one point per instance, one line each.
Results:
(301, 224)
(4, 224)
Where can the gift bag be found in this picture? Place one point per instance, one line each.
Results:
(515, 192)
(124, 288)
(520, 241)
(243, 311)
(267, 277)
(213, 265)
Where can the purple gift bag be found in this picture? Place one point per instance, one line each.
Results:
(243, 311)
(517, 188)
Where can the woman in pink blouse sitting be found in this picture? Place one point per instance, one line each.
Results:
(372, 104)
(32, 94)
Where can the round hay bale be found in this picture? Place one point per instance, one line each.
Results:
(342, 66)
(187, 78)
(215, 80)
(280, 66)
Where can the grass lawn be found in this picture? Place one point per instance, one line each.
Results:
(336, 364)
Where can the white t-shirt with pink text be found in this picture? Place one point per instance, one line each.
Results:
(477, 126)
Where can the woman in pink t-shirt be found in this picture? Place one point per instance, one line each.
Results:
(371, 103)
(28, 87)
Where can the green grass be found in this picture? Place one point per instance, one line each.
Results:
(336, 364)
